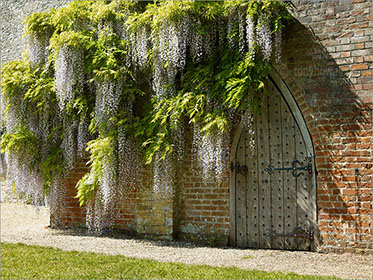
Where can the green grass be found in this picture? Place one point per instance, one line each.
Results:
(247, 257)
(19, 261)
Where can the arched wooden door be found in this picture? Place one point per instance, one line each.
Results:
(273, 197)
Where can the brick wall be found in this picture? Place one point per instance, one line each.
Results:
(327, 65)
(138, 211)
(204, 206)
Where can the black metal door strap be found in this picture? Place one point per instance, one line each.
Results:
(308, 167)
(298, 234)
(242, 169)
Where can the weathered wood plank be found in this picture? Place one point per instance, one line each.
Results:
(303, 189)
(275, 131)
(289, 189)
(264, 188)
(294, 109)
(241, 194)
(232, 189)
(252, 194)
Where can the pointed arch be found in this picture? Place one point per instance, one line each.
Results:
(295, 111)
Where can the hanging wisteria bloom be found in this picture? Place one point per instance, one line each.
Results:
(264, 36)
(28, 183)
(250, 35)
(69, 75)
(164, 174)
(82, 136)
(107, 68)
(37, 50)
(278, 46)
(57, 199)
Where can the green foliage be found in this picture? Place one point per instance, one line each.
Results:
(101, 151)
(108, 55)
(19, 261)
(52, 166)
(74, 17)
(35, 85)
(30, 88)
(113, 11)
(207, 90)
(165, 11)
(72, 39)
(247, 76)
(40, 25)
(20, 141)
(15, 78)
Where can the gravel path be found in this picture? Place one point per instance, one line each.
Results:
(21, 223)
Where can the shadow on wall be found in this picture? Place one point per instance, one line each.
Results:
(337, 110)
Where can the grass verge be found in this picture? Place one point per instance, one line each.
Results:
(19, 261)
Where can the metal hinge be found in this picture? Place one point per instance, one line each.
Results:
(308, 167)
(242, 169)
(298, 234)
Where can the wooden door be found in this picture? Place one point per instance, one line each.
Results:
(272, 180)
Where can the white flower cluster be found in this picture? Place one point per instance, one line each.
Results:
(12, 117)
(209, 153)
(232, 19)
(28, 183)
(139, 44)
(164, 173)
(69, 74)
(264, 37)
(253, 33)
(45, 129)
(123, 168)
(69, 143)
(248, 123)
(108, 182)
(37, 50)
(107, 99)
(101, 211)
(95, 217)
(129, 161)
(241, 31)
(57, 199)
(178, 139)
(250, 34)
(170, 47)
(174, 42)
(82, 137)
(278, 46)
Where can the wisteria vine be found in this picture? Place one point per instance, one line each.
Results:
(119, 81)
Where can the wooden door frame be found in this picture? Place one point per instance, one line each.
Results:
(298, 116)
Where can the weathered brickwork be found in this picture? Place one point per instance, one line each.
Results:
(204, 206)
(327, 64)
(68, 214)
(139, 211)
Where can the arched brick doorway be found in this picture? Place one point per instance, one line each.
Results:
(272, 178)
